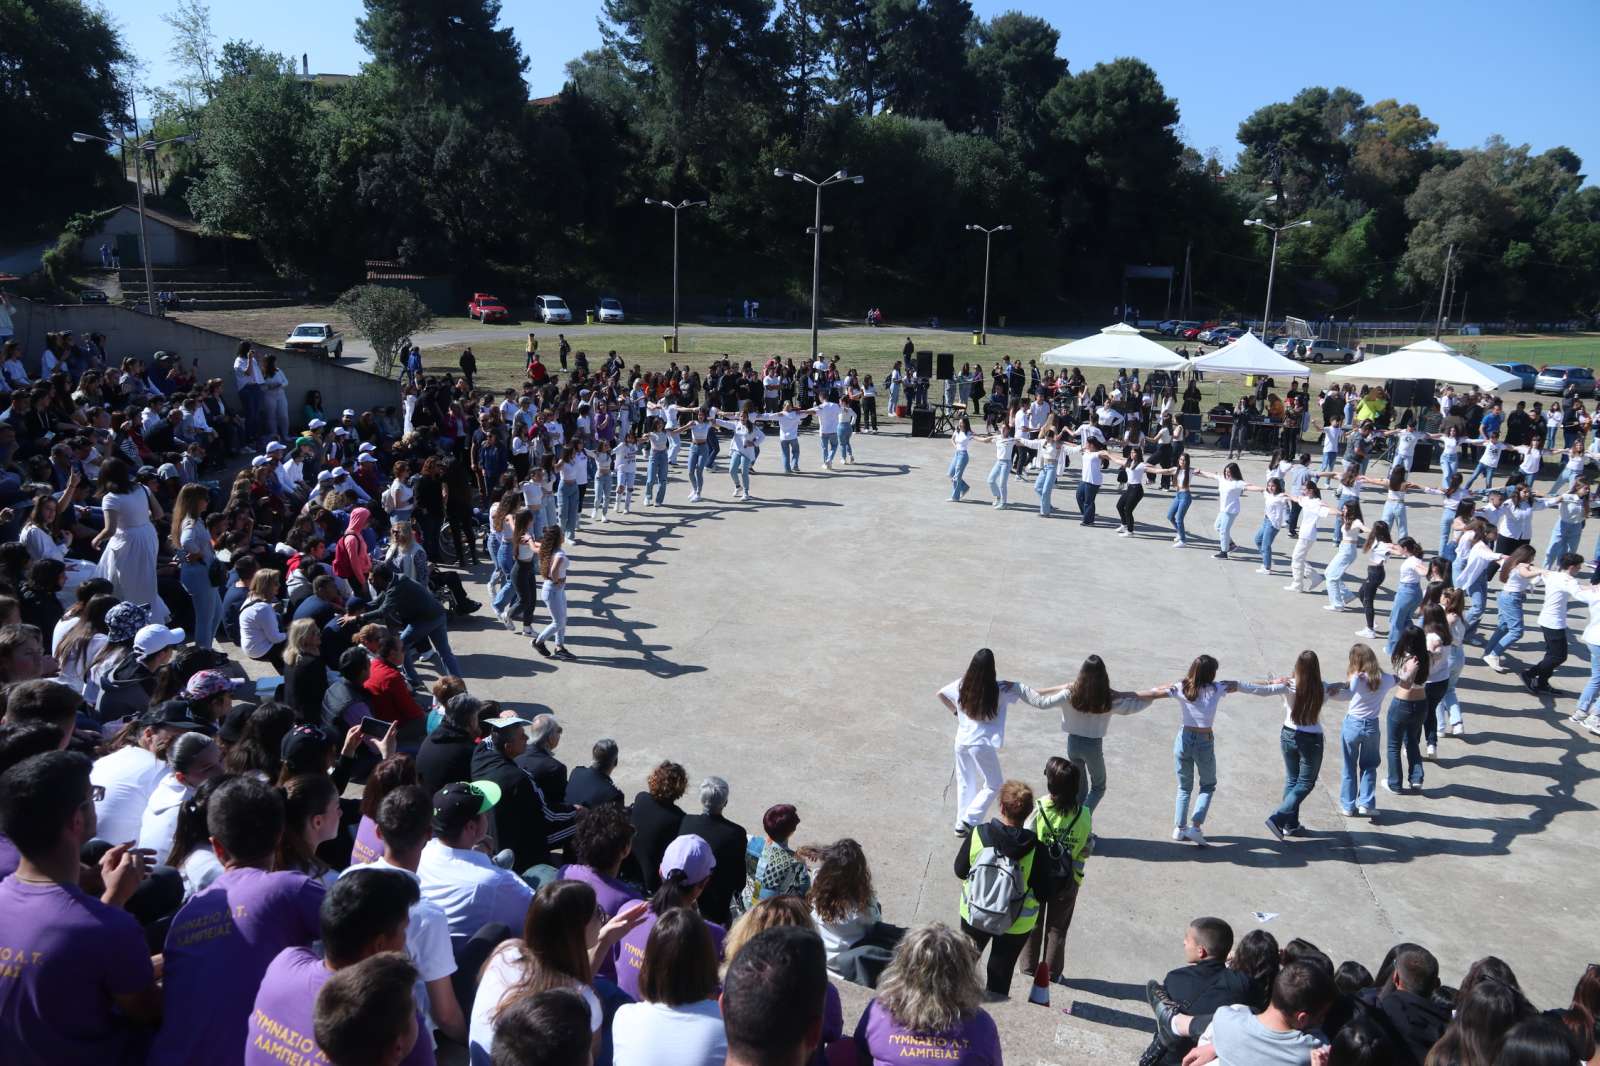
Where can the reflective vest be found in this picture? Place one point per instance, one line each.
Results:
(1073, 832)
(1028, 917)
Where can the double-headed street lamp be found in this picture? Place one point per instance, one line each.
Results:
(988, 233)
(138, 184)
(1272, 268)
(675, 208)
(817, 230)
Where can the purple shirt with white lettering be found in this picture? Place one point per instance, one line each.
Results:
(628, 955)
(64, 957)
(609, 895)
(220, 944)
(368, 848)
(281, 1029)
(975, 1042)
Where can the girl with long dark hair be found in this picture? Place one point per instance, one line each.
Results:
(1301, 739)
(1407, 708)
(553, 572)
(1194, 750)
(1087, 704)
(979, 701)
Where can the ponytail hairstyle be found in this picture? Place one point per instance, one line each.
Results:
(191, 832)
(1308, 691)
(675, 891)
(979, 694)
(1091, 692)
(1410, 546)
(1454, 601)
(304, 797)
(1454, 482)
(1202, 673)
(1378, 534)
(1364, 661)
(1464, 510)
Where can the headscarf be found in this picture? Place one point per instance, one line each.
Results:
(351, 560)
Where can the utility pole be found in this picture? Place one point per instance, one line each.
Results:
(1444, 287)
(817, 229)
(675, 208)
(988, 236)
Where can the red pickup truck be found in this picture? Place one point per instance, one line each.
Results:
(486, 308)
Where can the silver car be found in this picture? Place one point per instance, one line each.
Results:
(1554, 380)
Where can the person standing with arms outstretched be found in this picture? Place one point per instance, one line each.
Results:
(1195, 749)
(979, 702)
(1301, 738)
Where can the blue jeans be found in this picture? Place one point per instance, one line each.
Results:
(656, 477)
(1394, 513)
(739, 470)
(1477, 600)
(844, 443)
(421, 634)
(830, 446)
(1407, 598)
(1193, 751)
(1508, 630)
(1448, 465)
(1405, 728)
(1563, 539)
(1302, 761)
(1334, 574)
(674, 448)
(697, 468)
(1089, 754)
(603, 491)
(196, 581)
(569, 508)
(1586, 699)
(1177, 510)
(1487, 473)
(1449, 709)
(1086, 495)
(1359, 785)
(958, 466)
(791, 455)
(1224, 528)
(1264, 537)
(1550, 437)
(1045, 484)
(505, 557)
(555, 598)
(998, 481)
(1327, 461)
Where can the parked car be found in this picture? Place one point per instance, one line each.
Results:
(487, 308)
(1326, 351)
(92, 296)
(1212, 334)
(610, 309)
(1289, 346)
(315, 338)
(1190, 333)
(1555, 379)
(1525, 373)
(552, 309)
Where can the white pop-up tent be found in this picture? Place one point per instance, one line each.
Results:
(1248, 355)
(1119, 345)
(1428, 360)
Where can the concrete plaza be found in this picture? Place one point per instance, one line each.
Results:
(793, 644)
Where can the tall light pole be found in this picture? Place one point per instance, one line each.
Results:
(988, 235)
(138, 184)
(817, 230)
(675, 208)
(1272, 267)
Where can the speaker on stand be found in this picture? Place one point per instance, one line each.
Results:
(925, 365)
(946, 366)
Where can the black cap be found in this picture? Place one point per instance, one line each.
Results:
(305, 746)
(233, 725)
(176, 714)
(456, 804)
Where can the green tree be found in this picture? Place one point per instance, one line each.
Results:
(923, 70)
(59, 64)
(450, 52)
(193, 49)
(387, 318)
(1014, 66)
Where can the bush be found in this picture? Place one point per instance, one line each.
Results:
(386, 317)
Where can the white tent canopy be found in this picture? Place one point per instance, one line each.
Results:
(1248, 355)
(1120, 346)
(1428, 360)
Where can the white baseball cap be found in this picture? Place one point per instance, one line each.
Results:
(153, 638)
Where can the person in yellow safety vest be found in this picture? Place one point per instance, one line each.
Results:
(1063, 826)
(1003, 880)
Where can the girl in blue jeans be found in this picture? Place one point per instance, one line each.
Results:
(1366, 687)
(1407, 710)
(1408, 591)
(961, 440)
(1516, 576)
(1087, 705)
(1178, 510)
(1300, 740)
(1587, 712)
(1194, 750)
(1351, 532)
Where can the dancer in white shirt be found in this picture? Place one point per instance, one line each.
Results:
(979, 702)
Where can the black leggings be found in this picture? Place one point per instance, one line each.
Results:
(1127, 502)
(1555, 653)
(869, 413)
(526, 576)
(1433, 692)
(1003, 955)
(1369, 592)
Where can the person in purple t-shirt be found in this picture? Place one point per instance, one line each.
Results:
(224, 937)
(603, 842)
(685, 871)
(393, 772)
(927, 1005)
(364, 913)
(76, 982)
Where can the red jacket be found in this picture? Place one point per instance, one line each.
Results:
(391, 695)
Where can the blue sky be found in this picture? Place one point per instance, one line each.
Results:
(1524, 70)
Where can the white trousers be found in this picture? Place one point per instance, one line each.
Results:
(1300, 564)
(978, 782)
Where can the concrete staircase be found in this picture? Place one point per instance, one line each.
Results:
(202, 289)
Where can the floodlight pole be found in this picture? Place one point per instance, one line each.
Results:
(988, 235)
(838, 177)
(675, 208)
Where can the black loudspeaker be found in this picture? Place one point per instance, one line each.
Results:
(946, 365)
(1400, 393)
(922, 421)
(924, 365)
(1422, 393)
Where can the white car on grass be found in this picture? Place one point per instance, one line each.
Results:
(610, 309)
(552, 309)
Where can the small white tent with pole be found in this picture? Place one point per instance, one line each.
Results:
(1119, 346)
(1248, 355)
(1428, 360)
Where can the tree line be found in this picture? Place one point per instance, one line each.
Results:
(433, 154)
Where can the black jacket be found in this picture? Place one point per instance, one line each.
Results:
(125, 689)
(587, 787)
(337, 700)
(655, 826)
(305, 683)
(728, 842)
(406, 601)
(1012, 841)
(547, 771)
(519, 817)
(1415, 1022)
(1200, 988)
(445, 757)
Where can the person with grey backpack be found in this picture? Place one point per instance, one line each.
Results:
(1003, 878)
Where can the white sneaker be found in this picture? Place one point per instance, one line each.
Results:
(1176, 543)
(1457, 729)
(1177, 540)
(1364, 812)
(1123, 533)
(1428, 751)
(1493, 662)
(1262, 570)
(1177, 832)
(1291, 587)
(1195, 836)
(1579, 716)
(1332, 607)
(1366, 632)
(1592, 724)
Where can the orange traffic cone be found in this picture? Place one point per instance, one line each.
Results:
(1040, 992)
